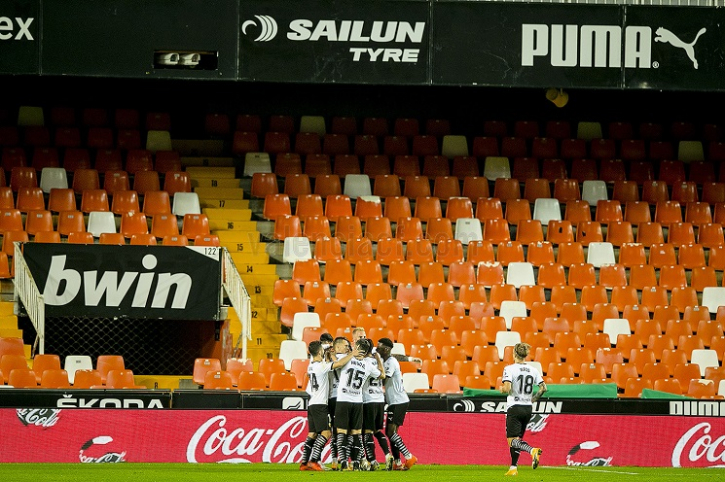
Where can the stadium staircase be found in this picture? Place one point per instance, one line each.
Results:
(225, 201)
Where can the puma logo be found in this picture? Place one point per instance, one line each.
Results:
(665, 36)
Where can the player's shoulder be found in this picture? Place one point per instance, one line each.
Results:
(391, 362)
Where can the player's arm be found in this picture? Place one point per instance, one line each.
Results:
(381, 367)
(342, 361)
(505, 387)
(540, 393)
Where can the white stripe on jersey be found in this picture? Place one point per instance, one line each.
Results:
(523, 378)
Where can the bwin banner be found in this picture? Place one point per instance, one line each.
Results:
(153, 282)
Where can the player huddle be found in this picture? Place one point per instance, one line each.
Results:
(349, 386)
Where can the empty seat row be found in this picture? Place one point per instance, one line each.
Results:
(345, 125)
(47, 139)
(105, 159)
(606, 214)
(87, 117)
(82, 179)
(504, 190)
(77, 372)
(527, 129)
(487, 161)
(449, 146)
(59, 200)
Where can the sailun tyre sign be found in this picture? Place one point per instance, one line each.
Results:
(154, 282)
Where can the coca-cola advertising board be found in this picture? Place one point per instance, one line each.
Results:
(248, 436)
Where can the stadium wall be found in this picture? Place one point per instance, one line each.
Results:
(241, 436)
(199, 426)
(381, 42)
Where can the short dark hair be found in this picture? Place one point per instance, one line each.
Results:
(386, 342)
(364, 345)
(326, 338)
(315, 347)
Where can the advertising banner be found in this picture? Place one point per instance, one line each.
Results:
(686, 49)
(78, 398)
(153, 282)
(239, 436)
(339, 41)
(584, 46)
(19, 36)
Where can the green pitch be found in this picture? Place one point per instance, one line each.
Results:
(290, 473)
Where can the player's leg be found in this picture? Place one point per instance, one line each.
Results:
(514, 431)
(310, 440)
(522, 414)
(322, 428)
(333, 436)
(356, 425)
(342, 413)
(390, 430)
(307, 450)
(369, 426)
(396, 441)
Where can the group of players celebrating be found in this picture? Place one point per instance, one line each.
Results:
(349, 386)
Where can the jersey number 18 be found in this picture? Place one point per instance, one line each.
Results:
(526, 384)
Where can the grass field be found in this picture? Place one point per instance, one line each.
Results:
(289, 473)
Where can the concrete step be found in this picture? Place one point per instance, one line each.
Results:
(258, 280)
(231, 236)
(255, 265)
(210, 161)
(228, 214)
(204, 182)
(224, 203)
(211, 172)
(9, 322)
(265, 314)
(245, 247)
(198, 147)
(11, 333)
(224, 225)
(7, 308)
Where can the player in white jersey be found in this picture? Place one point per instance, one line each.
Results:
(518, 382)
(349, 409)
(398, 401)
(373, 418)
(340, 347)
(317, 417)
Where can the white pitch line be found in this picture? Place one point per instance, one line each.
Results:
(595, 470)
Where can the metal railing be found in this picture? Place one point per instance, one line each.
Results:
(239, 299)
(27, 292)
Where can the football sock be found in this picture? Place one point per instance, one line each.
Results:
(333, 444)
(383, 442)
(357, 447)
(309, 442)
(342, 453)
(369, 447)
(514, 456)
(395, 452)
(320, 442)
(517, 443)
(397, 442)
